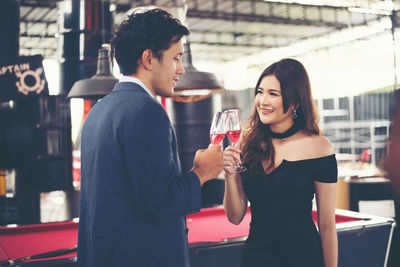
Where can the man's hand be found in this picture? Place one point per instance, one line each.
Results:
(208, 163)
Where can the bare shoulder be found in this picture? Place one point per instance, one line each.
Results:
(317, 146)
(321, 146)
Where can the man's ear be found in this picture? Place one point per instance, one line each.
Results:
(147, 59)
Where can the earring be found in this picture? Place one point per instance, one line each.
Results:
(294, 114)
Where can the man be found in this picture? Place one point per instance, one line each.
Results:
(133, 195)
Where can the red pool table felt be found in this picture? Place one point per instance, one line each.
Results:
(208, 225)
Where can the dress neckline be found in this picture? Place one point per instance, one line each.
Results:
(297, 161)
(310, 159)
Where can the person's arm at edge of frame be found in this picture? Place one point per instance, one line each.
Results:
(391, 163)
(326, 197)
(235, 200)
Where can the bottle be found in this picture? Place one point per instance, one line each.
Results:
(3, 183)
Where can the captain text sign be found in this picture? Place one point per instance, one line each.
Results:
(22, 76)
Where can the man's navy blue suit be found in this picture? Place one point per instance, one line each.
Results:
(133, 196)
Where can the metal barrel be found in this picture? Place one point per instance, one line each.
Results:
(192, 121)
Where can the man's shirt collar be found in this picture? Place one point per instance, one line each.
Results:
(125, 78)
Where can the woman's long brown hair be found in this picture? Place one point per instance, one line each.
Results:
(296, 90)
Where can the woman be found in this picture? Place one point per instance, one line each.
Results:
(287, 161)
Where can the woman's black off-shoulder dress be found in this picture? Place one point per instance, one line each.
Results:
(282, 232)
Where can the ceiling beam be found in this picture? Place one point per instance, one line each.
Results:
(243, 34)
(41, 3)
(37, 21)
(210, 43)
(38, 35)
(262, 19)
(232, 44)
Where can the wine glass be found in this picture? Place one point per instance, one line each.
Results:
(218, 128)
(233, 131)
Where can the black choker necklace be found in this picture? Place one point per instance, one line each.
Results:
(289, 132)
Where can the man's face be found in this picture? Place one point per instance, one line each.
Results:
(167, 70)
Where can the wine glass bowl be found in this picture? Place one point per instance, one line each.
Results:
(234, 136)
(218, 128)
(233, 131)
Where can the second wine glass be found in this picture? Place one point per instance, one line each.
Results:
(218, 128)
(233, 130)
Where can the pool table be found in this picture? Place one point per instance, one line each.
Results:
(364, 240)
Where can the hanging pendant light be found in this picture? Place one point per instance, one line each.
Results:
(194, 85)
(103, 81)
(99, 84)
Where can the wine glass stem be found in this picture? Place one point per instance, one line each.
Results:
(237, 165)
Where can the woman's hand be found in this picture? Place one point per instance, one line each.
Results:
(231, 156)
(235, 200)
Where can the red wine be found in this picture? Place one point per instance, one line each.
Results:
(234, 136)
(216, 138)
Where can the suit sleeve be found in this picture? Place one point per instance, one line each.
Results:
(161, 192)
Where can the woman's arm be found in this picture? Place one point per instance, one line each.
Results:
(326, 197)
(235, 200)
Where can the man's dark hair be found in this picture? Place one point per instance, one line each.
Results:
(155, 29)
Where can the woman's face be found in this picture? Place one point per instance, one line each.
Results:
(269, 105)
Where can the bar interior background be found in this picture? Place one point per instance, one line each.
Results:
(350, 48)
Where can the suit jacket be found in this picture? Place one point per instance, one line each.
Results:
(133, 196)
